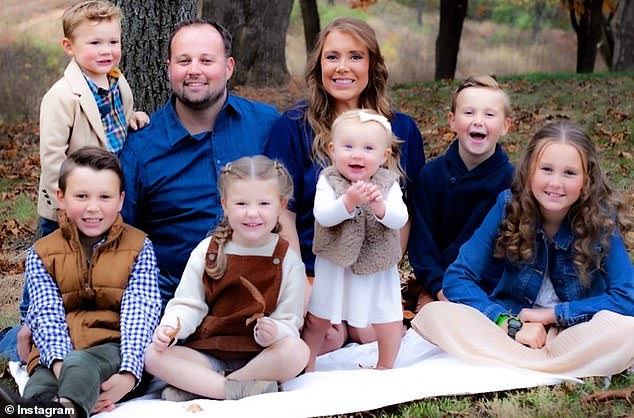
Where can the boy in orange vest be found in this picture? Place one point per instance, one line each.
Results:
(95, 298)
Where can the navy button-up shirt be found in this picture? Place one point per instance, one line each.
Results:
(171, 178)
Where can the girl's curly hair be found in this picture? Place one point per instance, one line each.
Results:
(599, 211)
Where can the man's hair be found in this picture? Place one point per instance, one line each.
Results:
(92, 157)
(485, 81)
(88, 11)
(224, 33)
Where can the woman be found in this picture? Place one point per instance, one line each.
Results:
(345, 71)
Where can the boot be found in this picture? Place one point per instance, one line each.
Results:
(174, 394)
(237, 389)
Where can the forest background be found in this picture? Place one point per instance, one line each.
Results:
(535, 60)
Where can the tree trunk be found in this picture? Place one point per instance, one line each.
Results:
(146, 28)
(310, 16)
(331, 2)
(538, 13)
(452, 14)
(419, 12)
(588, 29)
(623, 58)
(259, 38)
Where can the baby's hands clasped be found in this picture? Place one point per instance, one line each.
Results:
(360, 192)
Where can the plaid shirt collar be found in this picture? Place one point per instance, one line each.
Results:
(111, 109)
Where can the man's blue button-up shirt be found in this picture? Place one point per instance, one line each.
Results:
(171, 178)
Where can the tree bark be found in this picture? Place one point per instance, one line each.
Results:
(623, 58)
(310, 17)
(419, 12)
(538, 13)
(146, 27)
(588, 29)
(452, 14)
(259, 38)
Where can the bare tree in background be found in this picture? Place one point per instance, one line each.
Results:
(310, 17)
(452, 14)
(587, 18)
(146, 27)
(259, 38)
(623, 58)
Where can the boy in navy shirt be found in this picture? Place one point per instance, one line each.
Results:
(455, 191)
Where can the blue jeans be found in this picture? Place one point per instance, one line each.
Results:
(9, 343)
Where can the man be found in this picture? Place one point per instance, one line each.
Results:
(172, 166)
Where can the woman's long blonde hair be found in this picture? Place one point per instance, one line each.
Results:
(599, 211)
(257, 167)
(321, 106)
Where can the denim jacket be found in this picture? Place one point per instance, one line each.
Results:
(612, 287)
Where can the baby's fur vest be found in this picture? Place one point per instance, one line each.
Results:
(361, 243)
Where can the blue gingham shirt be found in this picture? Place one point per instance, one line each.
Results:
(111, 110)
(140, 311)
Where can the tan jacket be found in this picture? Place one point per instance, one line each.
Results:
(361, 243)
(69, 120)
(91, 295)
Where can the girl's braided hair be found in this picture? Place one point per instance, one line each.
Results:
(257, 167)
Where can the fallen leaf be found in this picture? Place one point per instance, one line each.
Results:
(193, 408)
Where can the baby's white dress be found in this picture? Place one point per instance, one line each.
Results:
(339, 294)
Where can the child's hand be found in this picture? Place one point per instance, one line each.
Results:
(265, 331)
(25, 343)
(532, 334)
(162, 338)
(138, 120)
(375, 198)
(544, 316)
(354, 195)
(112, 390)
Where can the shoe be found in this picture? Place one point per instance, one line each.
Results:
(174, 394)
(237, 389)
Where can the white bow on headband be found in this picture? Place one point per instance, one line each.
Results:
(366, 117)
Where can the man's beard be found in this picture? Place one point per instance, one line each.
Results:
(204, 102)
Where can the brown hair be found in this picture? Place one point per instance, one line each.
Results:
(321, 106)
(201, 21)
(257, 167)
(91, 11)
(599, 211)
(91, 157)
(485, 81)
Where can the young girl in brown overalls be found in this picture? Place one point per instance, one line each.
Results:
(240, 303)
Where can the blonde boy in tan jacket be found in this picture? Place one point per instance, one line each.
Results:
(91, 104)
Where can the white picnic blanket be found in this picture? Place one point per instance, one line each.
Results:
(340, 386)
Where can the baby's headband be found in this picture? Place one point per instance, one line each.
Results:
(366, 117)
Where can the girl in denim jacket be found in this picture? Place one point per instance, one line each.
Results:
(565, 301)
